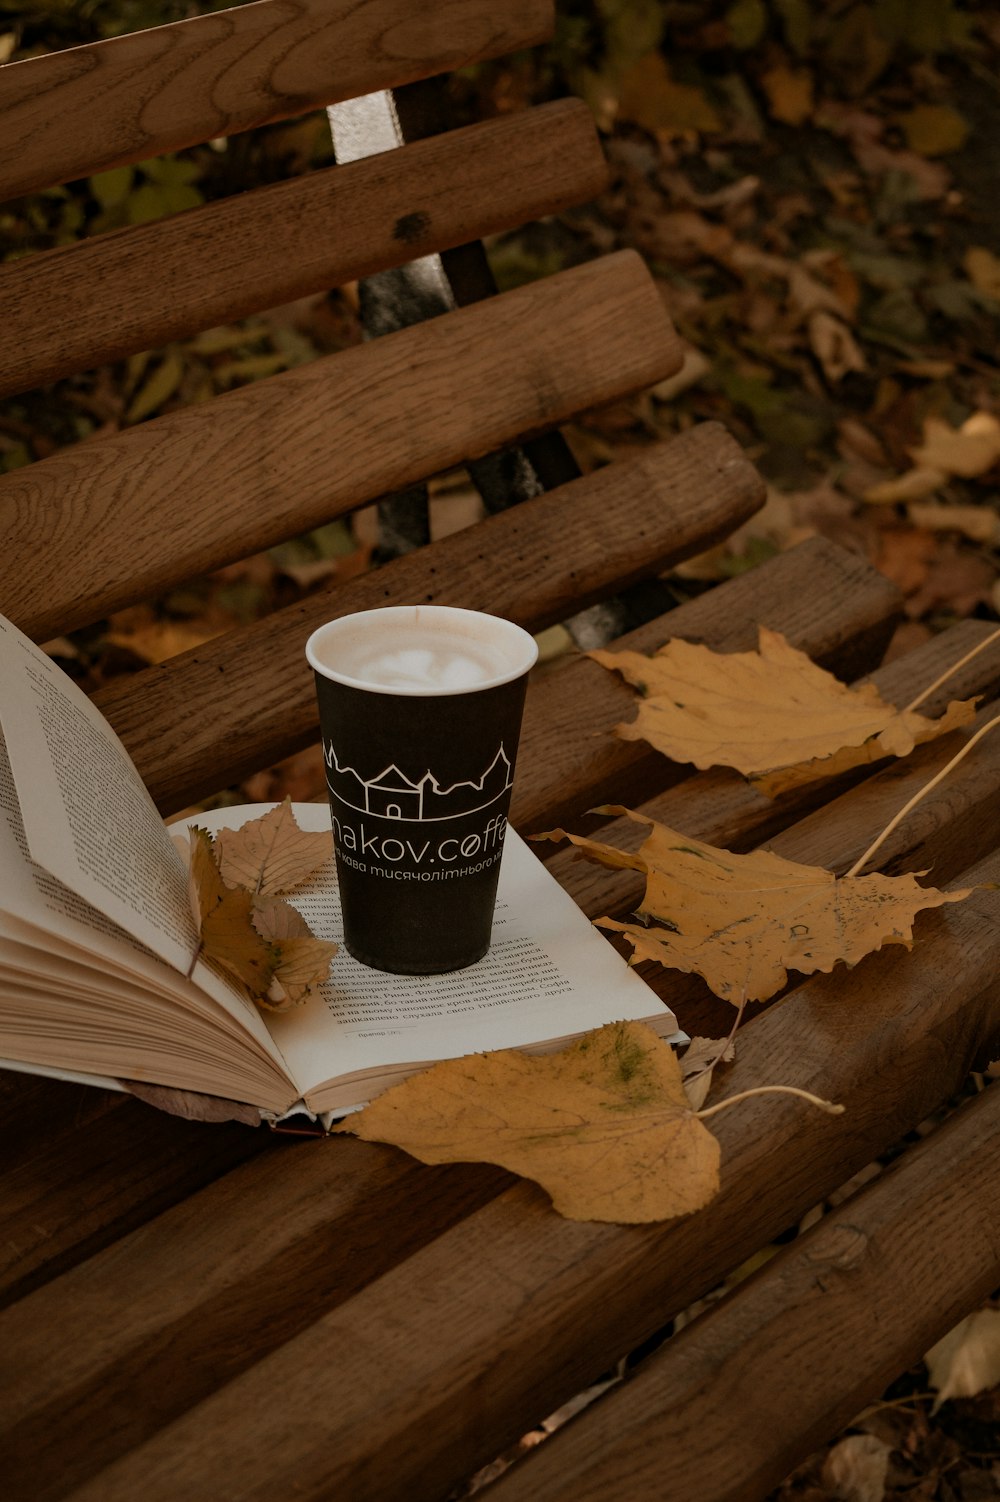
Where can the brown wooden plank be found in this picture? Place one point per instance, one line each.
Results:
(440, 1363)
(722, 807)
(238, 703)
(82, 1183)
(255, 250)
(122, 518)
(180, 1275)
(711, 1408)
(204, 1291)
(827, 601)
(72, 113)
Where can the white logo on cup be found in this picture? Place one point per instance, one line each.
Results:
(394, 795)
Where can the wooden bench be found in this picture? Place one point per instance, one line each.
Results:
(206, 1311)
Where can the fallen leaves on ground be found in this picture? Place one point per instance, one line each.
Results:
(604, 1126)
(244, 926)
(967, 1361)
(743, 921)
(770, 712)
(968, 451)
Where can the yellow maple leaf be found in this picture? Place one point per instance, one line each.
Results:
(301, 961)
(743, 921)
(604, 1126)
(271, 854)
(766, 710)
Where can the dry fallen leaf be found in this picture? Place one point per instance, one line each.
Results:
(255, 935)
(967, 1361)
(834, 346)
(934, 129)
(604, 1126)
(301, 961)
(271, 854)
(649, 97)
(855, 1470)
(699, 1063)
(223, 915)
(983, 268)
(967, 451)
(789, 93)
(771, 711)
(743, 921)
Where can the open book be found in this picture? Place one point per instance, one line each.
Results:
(97, 938)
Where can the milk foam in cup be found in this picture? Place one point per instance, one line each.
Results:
(420, 711)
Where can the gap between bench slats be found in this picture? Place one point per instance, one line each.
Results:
(71, 113)
(122, 518)
(711, 1409)
(724, 808)
(179, 1295)
(434, 1368)
(239, 702)
(269, 246)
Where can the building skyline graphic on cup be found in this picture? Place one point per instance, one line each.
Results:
(393, 794)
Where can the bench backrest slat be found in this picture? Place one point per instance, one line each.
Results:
(274, 244)
(72, 113)
(103, 524)
(664, 502)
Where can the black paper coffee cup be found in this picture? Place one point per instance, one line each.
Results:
(420, 713)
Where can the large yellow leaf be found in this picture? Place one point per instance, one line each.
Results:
(271, 854)
(743, 921)
(765, 710)
(604, 1126)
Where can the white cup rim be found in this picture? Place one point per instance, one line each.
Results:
(520, 647)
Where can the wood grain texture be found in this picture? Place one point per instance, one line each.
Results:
(720, 806)
(828, 602)
(210, 716)
(441, 1362)
(123, 518)
(81, 1182)
(69, 114)
(258, 249)
(711, 1410)
(204, 1291)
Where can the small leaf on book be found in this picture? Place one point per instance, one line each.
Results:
(604, 1126)
(223, 915)
(271, 854)
(301, 962)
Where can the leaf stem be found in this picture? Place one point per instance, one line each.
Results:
(732, 1100)
(194, 959)
(917, 797)
(926, 692)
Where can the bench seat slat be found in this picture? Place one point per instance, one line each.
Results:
(921, 1246)
(148, 508)
(274, 244)
(383, 1396)
(72, 113)
(196, 724)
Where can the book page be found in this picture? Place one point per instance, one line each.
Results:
(88, 819)
(127, 931)
(548, 975)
